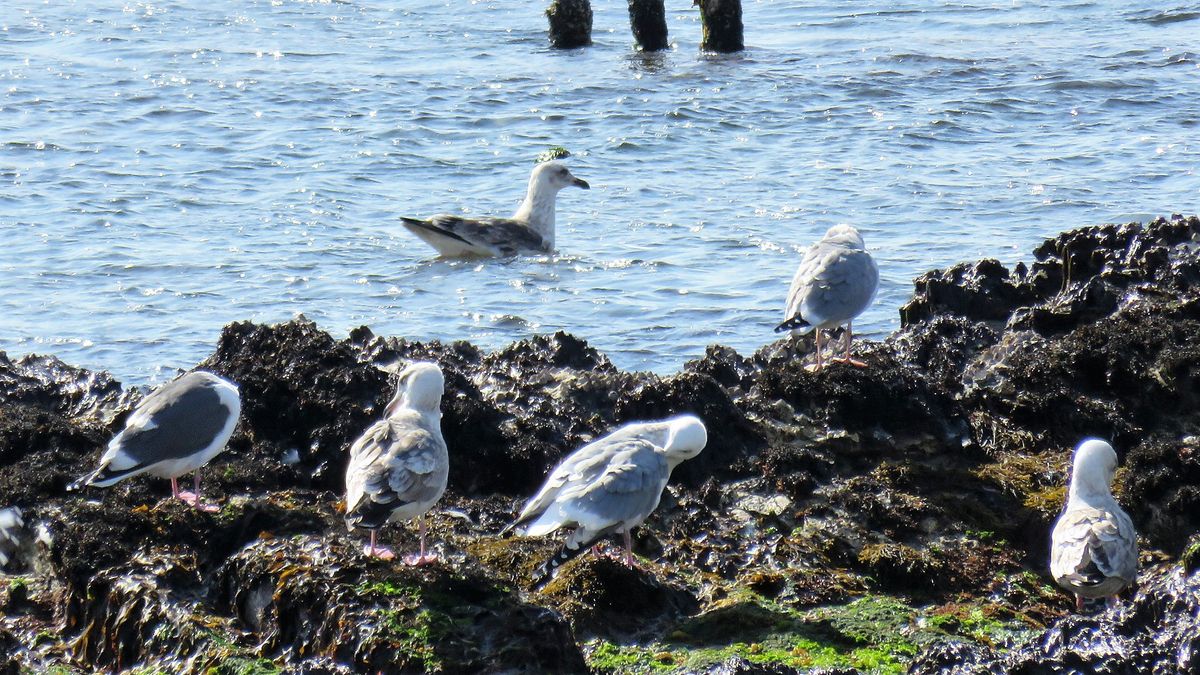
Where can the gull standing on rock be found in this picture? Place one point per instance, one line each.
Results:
(398, 468)
(178, 428)
(609, 486)
(837, 280)
(1093, 548)
(530, 230)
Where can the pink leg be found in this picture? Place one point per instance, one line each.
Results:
(174, 488)
(628, 549)
(1079, 603)
(421, 558)
(848, 337)
(819, 362)
(193, 498)
(381, 552)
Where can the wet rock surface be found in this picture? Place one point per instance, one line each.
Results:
(847, 520)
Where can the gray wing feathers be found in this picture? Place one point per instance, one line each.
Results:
(172, 423)
(832, 285)
(1085, 537)
(503, 236)
(627, 491)
(580, 467)
(610, 493)
(394, 465)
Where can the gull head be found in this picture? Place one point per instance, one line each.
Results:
(1093, 468)
(554, 176)
(844, 235)
(686, 437)
(420, 388)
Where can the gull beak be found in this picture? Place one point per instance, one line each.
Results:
(580, 183)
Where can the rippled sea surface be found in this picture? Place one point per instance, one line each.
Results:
(167, 168)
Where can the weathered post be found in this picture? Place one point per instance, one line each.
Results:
(722, 21)
(648, 19)
(570, 23)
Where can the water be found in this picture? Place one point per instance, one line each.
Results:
(167, 168)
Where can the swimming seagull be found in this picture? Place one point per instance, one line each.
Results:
(1093, 548)
(398, 468)
(835, 282)
(609, 486)
(10, 522)
(530, 230)
(176, 429)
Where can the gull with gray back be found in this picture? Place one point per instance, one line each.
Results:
(177, 429)
(529, 230)
(398, 468)
(837, 280)
(1093, 547)
(609, 486)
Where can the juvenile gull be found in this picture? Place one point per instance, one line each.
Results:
(835, 282)
(176, 429)
(1093, 548)
(530, 230)
(398, 468)
(609, 486)
(10, 522)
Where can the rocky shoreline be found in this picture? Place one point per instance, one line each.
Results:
(888, 519)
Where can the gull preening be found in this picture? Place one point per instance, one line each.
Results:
(178, 428)
(529, 230)
(837, 280)
(1093, 548)
(609, 486)
(398, 468)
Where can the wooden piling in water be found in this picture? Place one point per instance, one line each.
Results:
(722, 20)
(648, 20)
(570, 23)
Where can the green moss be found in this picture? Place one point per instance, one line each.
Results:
(607, 657)
(551, 153)
(18, 584)
(1191, 554)
(418, 634)
(874, 620)
(389, 589)
(239, 665)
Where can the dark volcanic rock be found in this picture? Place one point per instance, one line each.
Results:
(906, 504)
(302, 392)
(46, 382)
(1158, 631)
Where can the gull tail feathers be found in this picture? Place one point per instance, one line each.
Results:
(792, 324)
(105, 476)
(430, 227)
(369, 514)
(546, 570)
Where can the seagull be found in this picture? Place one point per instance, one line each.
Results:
(836, 281)
(609, 486)
(1093, 548)
(10, 522)
(398, 468)
(530, 230)
(176, 429)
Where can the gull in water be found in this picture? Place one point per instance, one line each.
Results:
(10, 522)
(1093, 548)
(176, 429)
(609, 486)
(835, 282)
(398, 468)
(530, 230)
